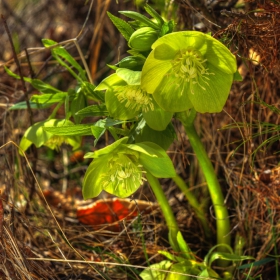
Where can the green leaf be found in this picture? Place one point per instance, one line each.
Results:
(62, 52)
(228, 257)
(77, 104)
(256, 263)
(237, 76)
(33, 105)
(70, 130)
(93, 111)
(110, 148)
(125, 29)
(12, 74)
(162, 138)
(43, 87)
(91, 92)
(154, 14)
(184, 249)
(49, 98)
(48, 43)
(141, 18)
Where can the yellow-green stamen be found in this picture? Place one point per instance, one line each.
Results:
(135, 98)
(190, 67)
(123, 172)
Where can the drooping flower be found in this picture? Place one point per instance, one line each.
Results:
(37, 135)
(120, 168)
(125, 99)
(189, 69)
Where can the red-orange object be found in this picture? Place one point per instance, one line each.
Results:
(108, 212)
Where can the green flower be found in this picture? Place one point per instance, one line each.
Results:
(125, 99)
(189, 69)
(36, 135)
(120, 168)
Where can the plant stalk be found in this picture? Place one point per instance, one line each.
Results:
(194, 204)
(221, 213)
(167, 213)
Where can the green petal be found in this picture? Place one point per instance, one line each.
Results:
(117, 109)
(110, 148)
(157, 119)
(121, 190)
(214, 97)
(92, 185)
(129, 76)
(109, 82)
(173, 97)
(182, 39)
(220, 56)
(154, 159)
(37, 135)
(153, 72)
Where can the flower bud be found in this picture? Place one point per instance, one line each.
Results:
(142, 39)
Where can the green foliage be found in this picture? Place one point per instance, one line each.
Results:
(166, 73)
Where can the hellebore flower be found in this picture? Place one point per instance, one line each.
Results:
(125, 99)
(189, 69)
(119, 168)
(36, 135)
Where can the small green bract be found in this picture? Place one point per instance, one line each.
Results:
(189, 69)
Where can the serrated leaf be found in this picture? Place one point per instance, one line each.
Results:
(93, 111)
(44, 87)
(70, 130)
(12, 74)
(141, 18)
(154, 14)
(48, 43)
(33, 105)
(62, 52)
(48, 98)
(125, 29)
(91, 93)
(77, 104)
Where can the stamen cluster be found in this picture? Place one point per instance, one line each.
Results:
(123, 172)
(135, 98)
(190, 66)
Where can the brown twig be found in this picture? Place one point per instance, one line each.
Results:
(19, 69)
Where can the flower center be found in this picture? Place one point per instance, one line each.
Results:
(55, 142)
(135, 98)
(123, 172)
(190, 66)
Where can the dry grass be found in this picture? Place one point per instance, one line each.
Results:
(31, 230)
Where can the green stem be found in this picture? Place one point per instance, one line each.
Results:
(221, 213)
(194, 203)
(167, 213)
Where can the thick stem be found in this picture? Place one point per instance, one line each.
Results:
(221, 213)
(194, 204)
(167, 213)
